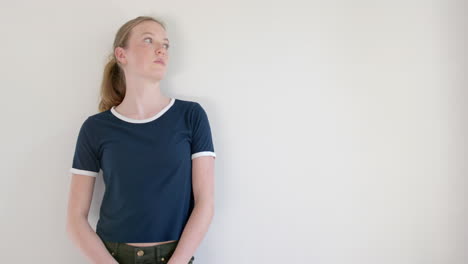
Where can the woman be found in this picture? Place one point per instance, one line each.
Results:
(156, 155)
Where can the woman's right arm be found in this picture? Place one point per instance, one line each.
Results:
(77, 226)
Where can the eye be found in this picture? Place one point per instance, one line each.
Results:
(167, 45)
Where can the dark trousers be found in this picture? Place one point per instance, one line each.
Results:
(127, 254)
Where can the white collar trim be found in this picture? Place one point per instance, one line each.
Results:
(146, 120)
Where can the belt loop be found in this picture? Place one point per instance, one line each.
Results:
(117, 245)
(114, 246)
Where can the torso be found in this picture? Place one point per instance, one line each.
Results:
(149, 244)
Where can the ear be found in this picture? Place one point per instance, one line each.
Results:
(119, 53)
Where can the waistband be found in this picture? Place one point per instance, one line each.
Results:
(157, 250)
(161, 252)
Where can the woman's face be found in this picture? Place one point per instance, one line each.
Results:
(147, 43)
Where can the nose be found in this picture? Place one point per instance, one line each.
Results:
(161, 50)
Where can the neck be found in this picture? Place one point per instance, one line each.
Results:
(142, 98)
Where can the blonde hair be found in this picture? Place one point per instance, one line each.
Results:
(113, 80)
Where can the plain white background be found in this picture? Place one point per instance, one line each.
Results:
(339, 126)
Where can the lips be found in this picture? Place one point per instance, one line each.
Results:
(159, 61)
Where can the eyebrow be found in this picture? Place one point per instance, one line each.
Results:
(153, 35)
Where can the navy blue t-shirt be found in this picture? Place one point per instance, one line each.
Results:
(146, 167)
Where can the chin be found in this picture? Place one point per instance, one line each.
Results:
(156, 77)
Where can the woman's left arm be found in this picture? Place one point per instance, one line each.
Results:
(203, 211)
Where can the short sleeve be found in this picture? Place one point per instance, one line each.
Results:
(201, 143)
(86, 159)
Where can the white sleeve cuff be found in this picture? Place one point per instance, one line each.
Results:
(84, 172)
(203, 153)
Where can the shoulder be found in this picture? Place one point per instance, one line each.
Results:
(99, 116)
(93, 121)
(190, 107)
(188, 103)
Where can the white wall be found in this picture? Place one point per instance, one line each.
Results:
(339, 126)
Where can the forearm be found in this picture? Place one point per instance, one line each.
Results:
(89, 243)
(193, 233)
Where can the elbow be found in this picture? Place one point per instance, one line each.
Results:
(72, 223)
(210, 209)
(70, 227)
(207, 207)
